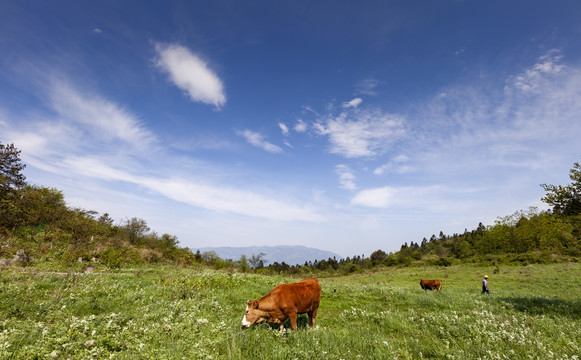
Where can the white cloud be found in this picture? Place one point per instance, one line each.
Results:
(283, 128)
(97, 31)
(207, 196)
(475, 134)
(97, 168)
(191, 74)
(89, 140)
(361, 133)
(346, 177)
(367, 87)
(534, 78)
(201, 141)
(397, 165)
(431, 198)
(225, 199)
(376, 198)
(300, 126)
(258, 140)
(352, 103)
(311, 110)
(103, 118)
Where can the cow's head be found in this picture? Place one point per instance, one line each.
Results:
(252, 315)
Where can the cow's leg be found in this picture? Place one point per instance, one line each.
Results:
(293, 319)
(281, 326)
(313, 317)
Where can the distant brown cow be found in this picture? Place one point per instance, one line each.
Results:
(431, 285)
(285, 301)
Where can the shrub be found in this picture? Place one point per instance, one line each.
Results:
(444, 261)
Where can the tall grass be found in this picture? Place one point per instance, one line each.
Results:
(165, 313)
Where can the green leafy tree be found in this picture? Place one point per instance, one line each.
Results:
(11, 181)
(169, 241)
(242, 263)
(136, 229)
(105, 220)
(210, 257)
(565, 200)
(11, 177)
(378, 256)
(256, 260)
(33, 206)
(81, 225)
(198, 256)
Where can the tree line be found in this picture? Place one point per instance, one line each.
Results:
(38, 220)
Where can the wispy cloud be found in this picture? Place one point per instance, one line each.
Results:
(474, 132)
(398, 165)
(428, 198)
(468, 139)
(375, 198)
(352, 103)
(346, 177)
(366, 133)
(191, 74)
(284, 129)
(106, 120)
(83, 142)
(96, 167)
(533, 78)
(367, 86)
(257, 139)
(226, 199)
(300, 126)
(197, 193)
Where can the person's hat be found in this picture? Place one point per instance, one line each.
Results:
(486, 276)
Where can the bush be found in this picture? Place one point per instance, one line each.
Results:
(444, 261)
(114, 257)
(391, 260)
(406, 261)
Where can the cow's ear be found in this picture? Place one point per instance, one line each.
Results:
(249, 302)
(255, 304)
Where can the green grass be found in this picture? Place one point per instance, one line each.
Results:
(164, 313)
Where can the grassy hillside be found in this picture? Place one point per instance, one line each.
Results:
(167, 313)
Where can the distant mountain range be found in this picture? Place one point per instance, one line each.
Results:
(291, 255)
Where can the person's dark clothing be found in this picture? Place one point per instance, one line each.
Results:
(485, 288)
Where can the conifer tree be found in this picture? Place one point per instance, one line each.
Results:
(11, 177)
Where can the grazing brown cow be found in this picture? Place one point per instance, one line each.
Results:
(285, 301)
(431, 285)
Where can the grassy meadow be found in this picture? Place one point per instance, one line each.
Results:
(168, 313)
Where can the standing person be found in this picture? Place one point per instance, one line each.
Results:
(485, 288)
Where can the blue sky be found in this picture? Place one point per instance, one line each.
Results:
(342, 125)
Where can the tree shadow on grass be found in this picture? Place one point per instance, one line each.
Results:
(537, 305)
